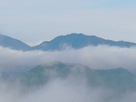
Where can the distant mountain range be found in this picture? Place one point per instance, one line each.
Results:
(73, 40)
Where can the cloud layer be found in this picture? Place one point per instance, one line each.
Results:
(101, 57)
(57, 90)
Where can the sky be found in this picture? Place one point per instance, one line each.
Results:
(34, 21)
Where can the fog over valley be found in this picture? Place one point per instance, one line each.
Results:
(70, 75)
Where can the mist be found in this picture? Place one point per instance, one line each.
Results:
(100, 57)
(71, 89)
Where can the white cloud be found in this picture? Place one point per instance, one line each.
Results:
(101, 57)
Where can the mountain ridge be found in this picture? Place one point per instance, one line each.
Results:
(118, 78)
(73, 40)
(78, 41)
(12, 43)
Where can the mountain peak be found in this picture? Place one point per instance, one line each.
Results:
(6, 41)
(73, 40)
(79, 40)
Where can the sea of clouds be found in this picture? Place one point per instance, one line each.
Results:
(57, 90)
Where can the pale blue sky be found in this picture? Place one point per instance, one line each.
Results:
(38, 20)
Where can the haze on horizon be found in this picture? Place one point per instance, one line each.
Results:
(34, 21)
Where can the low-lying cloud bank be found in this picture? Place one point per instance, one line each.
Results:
(101, 57)
(57, 90)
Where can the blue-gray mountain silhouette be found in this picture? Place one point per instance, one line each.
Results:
(6, 41)
(73, 40)
(78, 41)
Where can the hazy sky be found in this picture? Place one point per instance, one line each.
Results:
(38, 20)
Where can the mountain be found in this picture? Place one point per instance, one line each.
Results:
(73, 40)
(119, 78)
(78, 41)
(6, 41)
